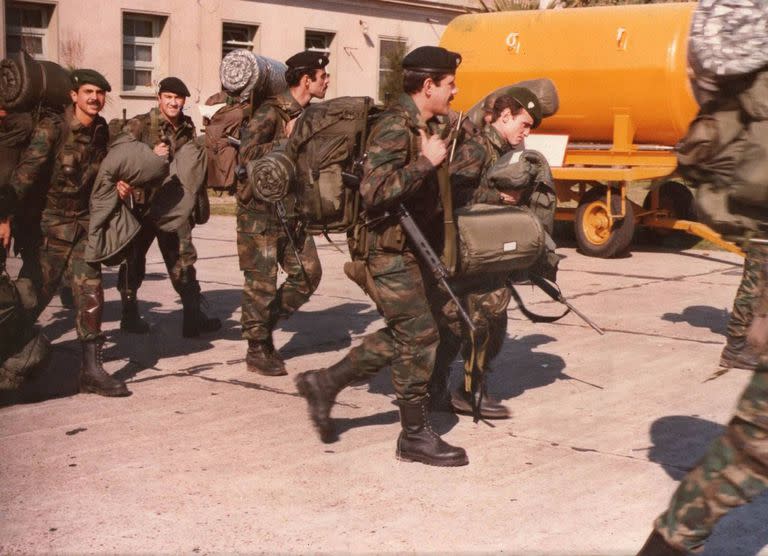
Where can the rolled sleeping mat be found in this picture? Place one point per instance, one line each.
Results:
(247, 74)
(271, 175)
(543, 88)
(26, 82)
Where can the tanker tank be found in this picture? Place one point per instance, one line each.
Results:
(605, 61)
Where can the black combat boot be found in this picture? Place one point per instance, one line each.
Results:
(418, 442)
(320, 388)
(93, 377)
(195, 321)
(656, 545)
(737, 355)
(439, 398)
(490, 407)
(131, 320)
(261, 358)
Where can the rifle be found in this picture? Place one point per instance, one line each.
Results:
(429, 257)
(554, 292)
(241, 174)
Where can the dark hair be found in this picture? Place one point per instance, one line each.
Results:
(413, 80)
(293, 75)
(502, 103)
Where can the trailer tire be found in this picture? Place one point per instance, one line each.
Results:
(594, 236)
(678, 200)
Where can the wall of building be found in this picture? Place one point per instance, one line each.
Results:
(190, 44)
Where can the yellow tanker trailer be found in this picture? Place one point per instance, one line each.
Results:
(625, 101)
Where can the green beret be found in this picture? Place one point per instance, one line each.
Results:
(82, 76)
(307, 60)
(528, 101)
(173, 85)
(432, 59)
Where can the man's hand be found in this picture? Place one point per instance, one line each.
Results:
(5, 233)
(433, 148)
(124, 190)
(161, 149)
(509, 199)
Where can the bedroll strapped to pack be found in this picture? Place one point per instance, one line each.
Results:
(327, 144)
(250, 75)
(26, 83)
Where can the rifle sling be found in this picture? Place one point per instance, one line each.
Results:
(533, 317)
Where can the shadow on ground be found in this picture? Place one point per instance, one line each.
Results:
(701, 316)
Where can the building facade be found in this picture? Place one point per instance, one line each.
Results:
(135, 43)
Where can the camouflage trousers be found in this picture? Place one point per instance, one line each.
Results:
(262, 246)
(179, 255)
(746, 295)
(58, 256)
(406, 297)
(488, 312)
(733, 472)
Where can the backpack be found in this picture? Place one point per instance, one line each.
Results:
(327, 145)
(221, 153)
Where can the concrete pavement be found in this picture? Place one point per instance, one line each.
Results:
(208, 458)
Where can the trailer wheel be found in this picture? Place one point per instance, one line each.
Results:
(594, 233)
(677, 200)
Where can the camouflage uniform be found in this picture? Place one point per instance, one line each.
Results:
(735, 352)
(73, 160)
(262, 243)
(176, 248)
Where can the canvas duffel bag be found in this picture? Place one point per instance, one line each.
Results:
(497, 239)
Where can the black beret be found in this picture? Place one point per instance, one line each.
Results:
(528, 101)
(432, 59)
(82, 76)
(307, 60)
(173, 85)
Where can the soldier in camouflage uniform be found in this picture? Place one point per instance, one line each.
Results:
(404, 151)
(262, 243)
(71, 146)
(165, 129)
(513, 115)
(735, 468)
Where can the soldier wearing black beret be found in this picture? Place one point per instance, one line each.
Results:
(165, 129)
(262, 243)
(405, 154)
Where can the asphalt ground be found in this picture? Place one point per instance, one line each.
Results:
(206, 457)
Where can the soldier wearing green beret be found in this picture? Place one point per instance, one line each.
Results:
(165, 129)
(405, 152)
(66, 149)
(262, 243)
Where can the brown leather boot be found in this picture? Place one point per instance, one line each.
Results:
(261, 359)
(195, 321)
(93, 377)
(131, 320)
(656, 545)
(490, 407)
(418, 442)
(320, 388)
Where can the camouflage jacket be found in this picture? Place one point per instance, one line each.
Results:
(471, 161)
(152, 128)
(72, 153)
(264, 132)
(396, 172)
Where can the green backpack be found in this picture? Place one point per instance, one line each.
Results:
(327, 145)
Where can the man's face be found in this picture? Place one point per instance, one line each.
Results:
(170, 104)
(89, 99)
(441, 94)
(319, 86)
(515, 127)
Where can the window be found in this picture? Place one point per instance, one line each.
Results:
(235, 35)
(141, 44)
(391, 53)
(318, 41)
(26, 28)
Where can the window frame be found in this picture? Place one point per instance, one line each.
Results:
(380, 69)
(234, 45)
(134, 40)
(21, 31)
